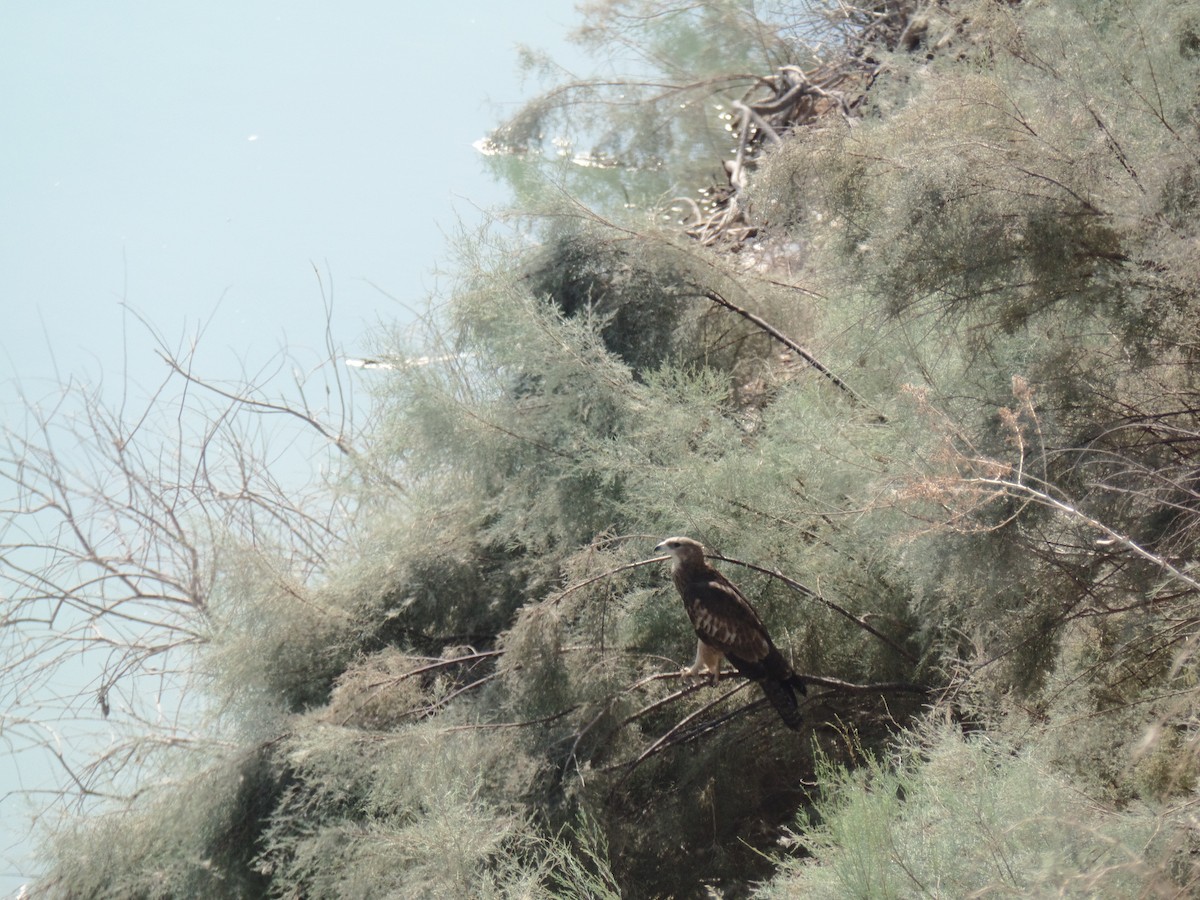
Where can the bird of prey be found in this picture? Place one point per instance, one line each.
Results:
(729, 628)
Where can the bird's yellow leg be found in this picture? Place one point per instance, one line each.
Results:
(708, 659)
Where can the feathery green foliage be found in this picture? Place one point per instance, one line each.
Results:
(956, 815)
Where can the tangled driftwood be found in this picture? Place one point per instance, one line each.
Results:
(793, 98)
(773, 106)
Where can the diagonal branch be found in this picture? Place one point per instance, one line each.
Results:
(782, 338)
(860, 621)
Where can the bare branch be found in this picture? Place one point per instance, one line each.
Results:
(779, 336)
(860, 621)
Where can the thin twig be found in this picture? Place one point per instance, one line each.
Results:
(664, 740)
(496, 726)
(875, 687)
(582, 584)
(782, 338)
(337, 440)
(670, 698)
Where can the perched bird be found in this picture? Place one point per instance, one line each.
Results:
(729, 628)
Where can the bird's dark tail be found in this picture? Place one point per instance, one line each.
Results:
(782, 696)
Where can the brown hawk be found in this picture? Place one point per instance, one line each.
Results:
(729, 628)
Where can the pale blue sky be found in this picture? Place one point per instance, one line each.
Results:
(178, 154)
(197, 160)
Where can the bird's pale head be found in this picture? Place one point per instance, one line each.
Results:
(684, 551)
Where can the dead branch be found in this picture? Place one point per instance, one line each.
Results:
(663, 701)
(500, 726)
(337, 440)
(876, 687)
(624, 568)
(860, 621)
(782, 338)
(666, 739)
(110, 526)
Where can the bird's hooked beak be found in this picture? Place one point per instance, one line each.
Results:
(669, 546)
(677, 547)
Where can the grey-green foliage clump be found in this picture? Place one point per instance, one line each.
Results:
(194, 837)
(989, 521)
(635, 306)
(955, 815)
(366, 811)
(1005, 210)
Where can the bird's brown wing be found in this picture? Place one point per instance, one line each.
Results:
(724, 619)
